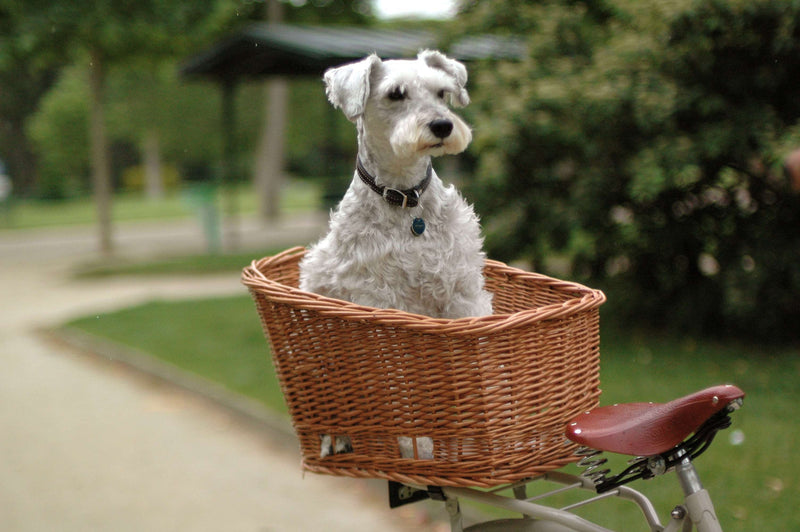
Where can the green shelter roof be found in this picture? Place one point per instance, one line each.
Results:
(264, 50)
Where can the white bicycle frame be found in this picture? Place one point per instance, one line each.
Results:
(696, 511)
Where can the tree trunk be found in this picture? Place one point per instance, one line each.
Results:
(270, 151)
(101, 164)
(270, 155)
(153, 176)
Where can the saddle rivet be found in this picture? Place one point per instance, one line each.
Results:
(715, 400)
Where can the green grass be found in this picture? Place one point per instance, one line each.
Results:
(299, 195)
(753, 484)
(219, 339)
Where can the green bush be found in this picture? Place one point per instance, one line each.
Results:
(59, 131)
(642, 145)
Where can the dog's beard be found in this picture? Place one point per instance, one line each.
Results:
(410, 139)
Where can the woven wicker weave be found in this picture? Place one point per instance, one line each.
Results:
(493, 393)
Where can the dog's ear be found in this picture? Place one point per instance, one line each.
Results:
(455, 69)
(347, 86)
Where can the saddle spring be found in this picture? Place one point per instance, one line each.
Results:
(638, 467)
(591, 461)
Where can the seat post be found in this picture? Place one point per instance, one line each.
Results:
(700, 509)
(687, 474)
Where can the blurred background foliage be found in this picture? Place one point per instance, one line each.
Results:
(48, 50)
(638, 146)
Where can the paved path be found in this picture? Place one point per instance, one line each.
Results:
(88, 445)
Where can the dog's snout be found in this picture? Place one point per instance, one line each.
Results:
(441, 128)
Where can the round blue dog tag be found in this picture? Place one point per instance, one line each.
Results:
(418, 226)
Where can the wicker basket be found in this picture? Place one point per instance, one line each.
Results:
(493, 394)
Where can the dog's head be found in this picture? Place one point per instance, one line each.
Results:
(404, 103)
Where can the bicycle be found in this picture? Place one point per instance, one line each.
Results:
(647, 431)
(474, 408)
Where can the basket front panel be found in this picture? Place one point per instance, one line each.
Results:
(378, 385)
(493, 407)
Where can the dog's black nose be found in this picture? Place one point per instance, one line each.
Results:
(441, 128)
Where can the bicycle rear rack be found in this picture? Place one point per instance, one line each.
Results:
(531, 507)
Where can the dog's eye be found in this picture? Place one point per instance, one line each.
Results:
(441, 94)
(397, 94)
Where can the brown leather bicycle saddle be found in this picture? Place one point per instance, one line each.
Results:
(647, 429)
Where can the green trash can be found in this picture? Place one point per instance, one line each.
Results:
(203, 199)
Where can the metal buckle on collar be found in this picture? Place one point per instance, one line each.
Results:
(398, 197)
(386, 193)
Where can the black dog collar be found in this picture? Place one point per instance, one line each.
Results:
(392, 196)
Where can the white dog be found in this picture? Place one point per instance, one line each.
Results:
(400, 238)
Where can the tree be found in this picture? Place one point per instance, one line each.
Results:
(102, 34)
(642, 144)
(28, 68)
(269, 160)
(168, 120)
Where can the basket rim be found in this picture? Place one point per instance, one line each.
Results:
(586, 298)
